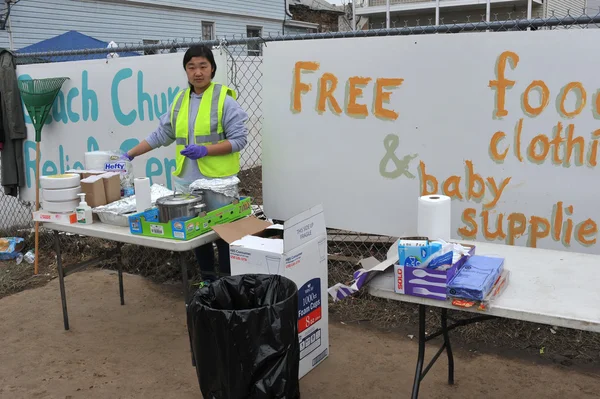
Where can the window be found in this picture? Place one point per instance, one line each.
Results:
(255, 48)
(208, 30)
(150, 42)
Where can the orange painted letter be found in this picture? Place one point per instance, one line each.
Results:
(517, 223)
(352, 108)
(427, 180)
(544, 98)
(468, 216)
(580, 103)
(497, 156)
(327, 86)
(584, 229)
(535, 233)
(300, 88)
(384, 96)
(501, 83)
(472, 179)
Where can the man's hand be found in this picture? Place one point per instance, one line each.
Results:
(195, 151)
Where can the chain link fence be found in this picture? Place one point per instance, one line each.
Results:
(245, 75)
(345, 248)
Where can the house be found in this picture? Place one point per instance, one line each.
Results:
(141, 21)
(373, 14)
(324, 15)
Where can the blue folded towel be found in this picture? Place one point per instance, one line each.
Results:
(476, 278)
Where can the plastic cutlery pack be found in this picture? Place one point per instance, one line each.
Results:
(475, 280)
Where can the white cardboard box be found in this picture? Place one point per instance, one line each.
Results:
(59, 218)
(256, 247)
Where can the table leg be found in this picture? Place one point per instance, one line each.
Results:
(448, 347)
(120, 270)
(186, 295)
(184, 278)
(420, 373)
(421, 356)
(61, 279)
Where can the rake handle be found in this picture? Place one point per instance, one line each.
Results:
(37, 205)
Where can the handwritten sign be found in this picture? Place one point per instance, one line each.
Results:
(107, 105)
(497, 122)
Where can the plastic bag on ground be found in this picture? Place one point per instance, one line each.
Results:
(244, 336)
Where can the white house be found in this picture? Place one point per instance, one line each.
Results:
(375, 14)
(141, 21)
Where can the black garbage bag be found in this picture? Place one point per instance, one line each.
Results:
(244, 337)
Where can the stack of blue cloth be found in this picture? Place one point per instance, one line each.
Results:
(476, 278)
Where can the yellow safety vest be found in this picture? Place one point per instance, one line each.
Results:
(208, 129)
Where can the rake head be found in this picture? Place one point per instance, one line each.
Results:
(38, 96)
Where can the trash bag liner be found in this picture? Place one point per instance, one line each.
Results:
(244, 336)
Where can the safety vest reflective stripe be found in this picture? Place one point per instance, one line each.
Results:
(175, 114)
(214, 136)
(214, 116)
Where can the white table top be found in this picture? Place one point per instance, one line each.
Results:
(549, 287)
(122, 234)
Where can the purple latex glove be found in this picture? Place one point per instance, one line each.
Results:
(126, 157)
(195, 151)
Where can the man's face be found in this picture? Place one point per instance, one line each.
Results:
(199, 72)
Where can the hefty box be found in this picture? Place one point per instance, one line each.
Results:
(412, 280)
(298, 251)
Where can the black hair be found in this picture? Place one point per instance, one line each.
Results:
(200, 51)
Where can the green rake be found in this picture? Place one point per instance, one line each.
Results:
(38, 96)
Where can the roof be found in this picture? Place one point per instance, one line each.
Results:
(317, 5)
(71, 40)
(301, 24)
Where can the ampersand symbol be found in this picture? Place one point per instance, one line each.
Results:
(391, 143)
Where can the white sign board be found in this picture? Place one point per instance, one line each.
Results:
(107, 105)
(504, 123)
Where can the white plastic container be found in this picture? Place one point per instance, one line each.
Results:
(84, 211)
(58, 195)
(60, 207)
(67, 180)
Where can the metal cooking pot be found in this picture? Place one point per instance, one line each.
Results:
(214, 200)
(178, 206)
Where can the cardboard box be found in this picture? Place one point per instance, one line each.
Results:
(147, 223)
(60, 218)
(93, 187)
(84, 174)
(298, 251)
(432, 285)
(112, 186)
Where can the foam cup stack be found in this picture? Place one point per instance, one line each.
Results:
(59, 198)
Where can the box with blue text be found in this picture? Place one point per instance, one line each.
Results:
(297, 250)
(411, 279)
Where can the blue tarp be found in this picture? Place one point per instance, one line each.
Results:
(71, 40)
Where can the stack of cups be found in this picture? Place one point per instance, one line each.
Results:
(59, 192)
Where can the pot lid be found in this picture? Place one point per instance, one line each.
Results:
(179, 199)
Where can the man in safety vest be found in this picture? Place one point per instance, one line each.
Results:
(208, 127)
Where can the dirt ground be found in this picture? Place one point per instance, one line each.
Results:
(141, 350)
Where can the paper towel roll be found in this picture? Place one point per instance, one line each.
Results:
(434, 217)
(96, 159)
(143, 200)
